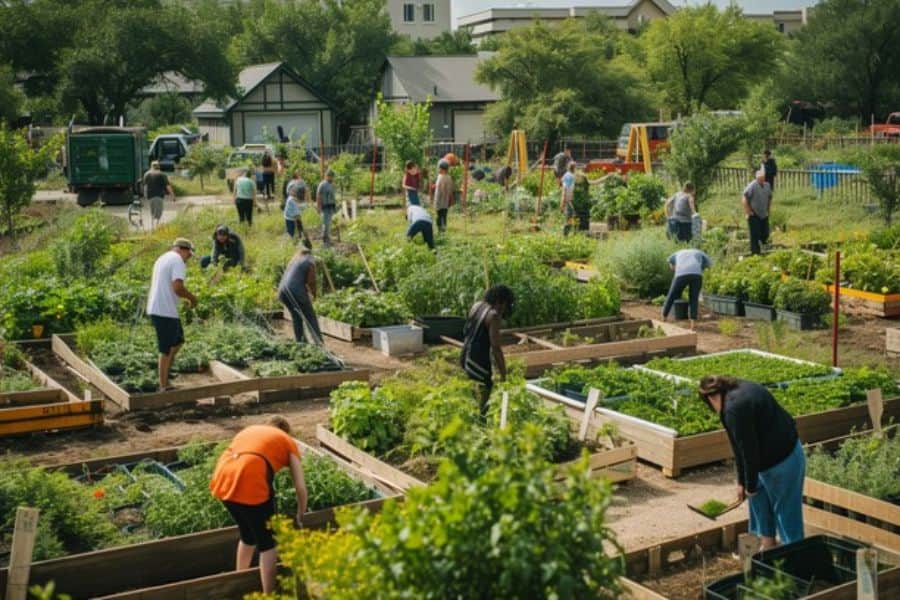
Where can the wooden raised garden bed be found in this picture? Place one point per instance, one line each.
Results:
(338, 329)
(228, 382)
(892, 341)
(610, 338)
(50, 407)
(857, 302)
(615, 464)
(852, 513)
(197, 565)
(664, 447)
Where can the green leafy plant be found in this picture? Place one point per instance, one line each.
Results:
(868, 464)
(368, 420)
(363, 308)
(640, 262)
(713, 508)
(79, 251)
(743, 365)
(800, 296)
(404, 130)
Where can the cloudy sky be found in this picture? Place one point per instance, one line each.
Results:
(465, 7)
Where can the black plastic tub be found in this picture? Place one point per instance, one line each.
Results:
(681, 309)
(435, 326)
(761, 312)
(801, 321)
(724, 305)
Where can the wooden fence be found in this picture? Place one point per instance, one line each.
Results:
(844, 185)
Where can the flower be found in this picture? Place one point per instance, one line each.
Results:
(884, 289)
(99, 493)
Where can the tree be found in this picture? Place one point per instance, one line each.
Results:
(563, 79)
(20, 166)
(164, 109)
(698, 145)
(10, 97)
(848, 58)
(760, 120)
(202, 160)
(337, 46)
(702, 57)
(405, 131)
(881, 167)
(126, 46)
(449, 43)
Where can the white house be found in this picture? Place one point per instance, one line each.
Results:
(272, 96)
(420, 19)
(457, 100)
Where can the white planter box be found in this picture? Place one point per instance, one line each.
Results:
(398, 340)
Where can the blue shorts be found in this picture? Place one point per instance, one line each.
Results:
(778, 502)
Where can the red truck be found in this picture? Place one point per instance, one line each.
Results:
(890, 127)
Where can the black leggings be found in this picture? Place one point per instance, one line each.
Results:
(442, 219)
(244, 210)
(269, 184)
(300, 309)
(684, 232)
(759, 233)
(694, 283)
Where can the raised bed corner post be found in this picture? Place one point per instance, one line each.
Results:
(372, 179)
(24, 534)
(837, 308)
(541, 186)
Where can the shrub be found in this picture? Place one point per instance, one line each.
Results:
(796, 295)
(79, 251)
(886, 238)
(639, 260)
(368, 420)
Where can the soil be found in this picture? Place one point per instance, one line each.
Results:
(685, 580)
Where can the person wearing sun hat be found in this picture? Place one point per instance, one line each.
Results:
(768, 456)
(166, 286)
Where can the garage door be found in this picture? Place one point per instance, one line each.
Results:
(468, 126)
(294, 125)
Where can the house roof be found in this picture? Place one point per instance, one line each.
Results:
(249, 79)
(612, 8)
(444, 78)
(170, 81)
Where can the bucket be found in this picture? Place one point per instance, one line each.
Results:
(681, 309)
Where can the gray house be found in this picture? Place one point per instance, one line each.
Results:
(458, 101)
(272, 95)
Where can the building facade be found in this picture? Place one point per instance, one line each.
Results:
(420, 19)
(273, 97)
(458, 102)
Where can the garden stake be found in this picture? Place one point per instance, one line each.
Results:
(592, 400)
(747, 546)
(368, 269)
(537, 210)
(866, 574)
(876, 408)
(504, 410)
(837, 308)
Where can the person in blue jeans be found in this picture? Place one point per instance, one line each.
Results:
(688, 265)
(768, 456)
(420, 222)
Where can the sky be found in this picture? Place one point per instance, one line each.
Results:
(465, 7)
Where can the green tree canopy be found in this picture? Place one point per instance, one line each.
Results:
(449, 43)
(20, 165)
(10, 97)
(881, 167)
(339, 47)
(701, 56)
(563, 79)
(404, 130)
(848, 58)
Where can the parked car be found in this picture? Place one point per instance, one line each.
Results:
(170, 148)
(890, 127)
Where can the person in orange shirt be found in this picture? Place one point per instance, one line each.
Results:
(243, 481)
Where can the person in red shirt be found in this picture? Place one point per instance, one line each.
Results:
(243, 481)
(412, 179)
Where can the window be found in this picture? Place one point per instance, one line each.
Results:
(409, 12)
(428, 13)
(781, 27)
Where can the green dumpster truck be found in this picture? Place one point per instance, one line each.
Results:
(105, 163)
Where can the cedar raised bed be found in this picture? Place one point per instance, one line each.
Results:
(615, 464)
(662, 446)
(857, 302)
(540, 352)
(337, 329)
(48, 408)
(230, 382)
(197, 565)
(850, 513)
(892, 341)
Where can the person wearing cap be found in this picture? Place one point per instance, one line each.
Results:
(243, 481)
(325, 204)
(166, 286)
(757, 203)
(244, 197)
(156, 188)
(443, 194)
(297, 291)
(227, 246)
(768, 456)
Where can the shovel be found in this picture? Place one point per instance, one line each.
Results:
(727, 509)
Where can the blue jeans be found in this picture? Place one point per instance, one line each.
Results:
(327, 215)
(778, 502)
(412, 197)
(423, 227)
(693, 283)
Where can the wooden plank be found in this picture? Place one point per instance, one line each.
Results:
(224, 372)
(595, 351)
(49, 411)
(888, 588)
(28, 397)
(97, 378)
(77, 421)
(24, 533)
(892, 340)
(387, 473)
(233, 584)
(822, 519)
(48, 381)
(854, 501)
(636, 591)
(639, 562)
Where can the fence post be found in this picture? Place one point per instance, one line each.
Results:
(541, 186)
(837, 308)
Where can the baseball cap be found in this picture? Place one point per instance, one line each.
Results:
(183, 243)
(223, 229)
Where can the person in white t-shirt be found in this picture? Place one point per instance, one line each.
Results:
(166, 287)
(419, 222)
(567, 205)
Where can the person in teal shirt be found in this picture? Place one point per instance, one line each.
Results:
(244, 197)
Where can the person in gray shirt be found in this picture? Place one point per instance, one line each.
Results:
(688, 265)
(757, 202)
(326, 203)
(680, 210)
(297, 291)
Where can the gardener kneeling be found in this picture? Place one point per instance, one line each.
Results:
(244, 482)
(768, 456)
(228, 247)
(420, 222)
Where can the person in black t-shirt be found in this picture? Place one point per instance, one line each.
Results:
(768, 456)
(156, 188)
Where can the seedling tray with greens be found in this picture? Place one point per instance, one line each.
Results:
(674, 428)
(750, 364)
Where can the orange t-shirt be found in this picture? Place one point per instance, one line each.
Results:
(243, 477)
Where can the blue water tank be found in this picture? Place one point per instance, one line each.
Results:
(826, 175)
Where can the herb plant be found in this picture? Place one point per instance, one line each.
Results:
(868, 464)
(362, 308)
(766, 370)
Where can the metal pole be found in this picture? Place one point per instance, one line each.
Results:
(372, 179)
(837, 308)
(541, 186)
(465, 182)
